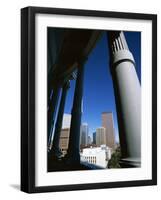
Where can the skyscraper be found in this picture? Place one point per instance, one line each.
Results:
(64, 140)
(66, 120)
(84, 134)
(65, 133)
(89, 139)
(94, 138)
(100, 136)
(108, 124)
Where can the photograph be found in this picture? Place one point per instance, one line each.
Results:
(94, 99)
(88, 93)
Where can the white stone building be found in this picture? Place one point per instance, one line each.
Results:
(96, 155)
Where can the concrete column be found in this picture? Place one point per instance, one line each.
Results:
(51, 113)
(128, 99)
(55, 151)
(73, 155)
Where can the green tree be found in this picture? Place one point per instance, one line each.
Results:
(114, 161)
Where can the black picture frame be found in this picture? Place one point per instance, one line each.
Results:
(28, 98)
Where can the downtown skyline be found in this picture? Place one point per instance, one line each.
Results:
(87, 96)
(98, 93)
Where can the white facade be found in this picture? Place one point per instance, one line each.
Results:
(96, 155)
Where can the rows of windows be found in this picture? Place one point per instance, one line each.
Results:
(91, 159)
(63, 143)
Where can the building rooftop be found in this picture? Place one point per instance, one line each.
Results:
(93, 150)
(105, 112)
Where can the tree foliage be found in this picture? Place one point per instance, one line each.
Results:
(114, 161)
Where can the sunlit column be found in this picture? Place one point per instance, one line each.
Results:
(55, 151)
(51, 113)
(128, 99)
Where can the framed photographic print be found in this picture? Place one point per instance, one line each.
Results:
(88, 99)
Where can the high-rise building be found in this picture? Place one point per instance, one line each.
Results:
(65, 132)
(64, 140)
(66, 120)
(100, 136)
(84, 134)
(65, 125)
(108, 124)
(89, 139)
(94, 138)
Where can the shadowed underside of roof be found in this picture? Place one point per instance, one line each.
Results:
(68, 47)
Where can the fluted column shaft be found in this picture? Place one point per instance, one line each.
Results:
(128, 99)
(58, 126)
(74, 140)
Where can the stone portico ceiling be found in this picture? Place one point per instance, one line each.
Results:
(72, 46)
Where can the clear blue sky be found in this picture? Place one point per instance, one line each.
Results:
(98, 93)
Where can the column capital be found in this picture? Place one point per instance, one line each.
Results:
(119, 50)
(118, 41)
(73, 75)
